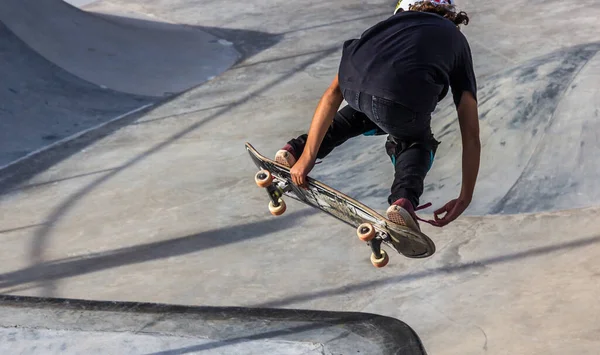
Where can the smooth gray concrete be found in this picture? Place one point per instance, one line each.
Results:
(538, 129)
(41, 104)
(62, 69)
(139, 56)
(162, 207)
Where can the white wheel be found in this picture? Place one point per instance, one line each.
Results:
(365, 232)
(277, 211)
(380, 262)
(263, 178)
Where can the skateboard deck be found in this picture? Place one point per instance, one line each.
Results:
(371, 226)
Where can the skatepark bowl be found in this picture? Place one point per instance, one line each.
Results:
(131, 223)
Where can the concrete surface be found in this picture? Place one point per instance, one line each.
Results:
(539, 123)
(66, 326)
(65, 71)
(41, 104)
(161, 206)
(139, 56)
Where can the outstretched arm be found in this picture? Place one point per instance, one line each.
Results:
(468, 119)
(326, 109)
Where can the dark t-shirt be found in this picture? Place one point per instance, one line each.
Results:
(411, 58)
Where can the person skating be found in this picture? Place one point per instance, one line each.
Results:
(392, 78)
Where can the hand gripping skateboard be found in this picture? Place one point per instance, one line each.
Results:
(371, 227)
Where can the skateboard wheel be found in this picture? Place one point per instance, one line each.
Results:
(365, 232)
(380, 262)
(263, 178)
(277, 211)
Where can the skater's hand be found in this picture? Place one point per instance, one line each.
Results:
(453, 209)
(301, 169)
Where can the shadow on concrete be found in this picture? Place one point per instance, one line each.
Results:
(372, 16)
(69, 267)
(175, 115)
(43, 105)
(41, 237)
(21, 228)
(250, 43)
(185, 329)
(50, 182)
(247, 42)
(273, 60)
(261, 336)
(445, 270)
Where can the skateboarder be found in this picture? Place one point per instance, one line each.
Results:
(392, 78)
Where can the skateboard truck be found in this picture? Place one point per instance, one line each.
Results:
(375, 245)
(366, 232)
(264, 179)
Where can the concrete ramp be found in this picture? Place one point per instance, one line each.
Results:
(539, 122)
(66, 71)
(41, 104)
(135, 56)
(61, 326)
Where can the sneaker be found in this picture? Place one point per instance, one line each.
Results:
(286, 156)
(403, 213)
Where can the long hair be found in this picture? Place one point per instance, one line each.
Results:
(446, 11)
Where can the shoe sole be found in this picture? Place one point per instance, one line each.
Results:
(283, 158)
(402, 217)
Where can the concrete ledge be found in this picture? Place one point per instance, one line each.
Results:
(248, 330)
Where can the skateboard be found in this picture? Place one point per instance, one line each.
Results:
(371, 227)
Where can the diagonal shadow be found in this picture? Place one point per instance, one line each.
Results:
(278, 59)
(247, 42)
(260, 336)
(69, 267)
(50, 182)
(42, 236)
(219, 326)
(454, 269)
(175, 115)
(386, 13)
(62, 85)
(21, 228)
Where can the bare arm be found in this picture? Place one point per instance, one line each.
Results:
(326, 109)
(324, 114)
(468, 118)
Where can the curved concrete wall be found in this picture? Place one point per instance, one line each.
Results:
(539, 124)
(135, 56)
